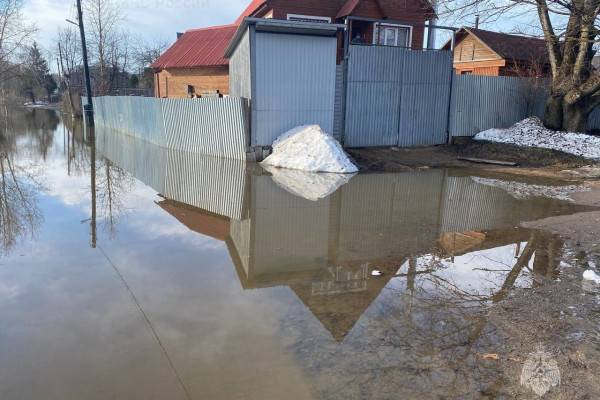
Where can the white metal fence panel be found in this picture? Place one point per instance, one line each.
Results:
(216, 127)
(396, 96)
(294, 84)
(425, 98)
(483, 102)
(373, 96)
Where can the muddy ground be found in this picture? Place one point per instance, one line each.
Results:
(388, 159)
(558, 320)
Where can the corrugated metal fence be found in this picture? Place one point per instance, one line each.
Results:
(397, 97)
(483, 102)
(216, 127)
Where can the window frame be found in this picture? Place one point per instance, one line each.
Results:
(310, 18)
(377, 29)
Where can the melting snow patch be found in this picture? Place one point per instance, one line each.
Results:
(521, 190)
(532, 133)
(309, 185)
(309, 148)
(590, 275)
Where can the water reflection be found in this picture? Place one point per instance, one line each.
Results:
(19, 212)
(233, 283)
(448, 237)
(20, 182)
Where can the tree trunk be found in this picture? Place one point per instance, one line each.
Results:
(561, 116)
(553, 114)
(575, 118)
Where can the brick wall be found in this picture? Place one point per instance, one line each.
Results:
(174, 83)
(413, 12)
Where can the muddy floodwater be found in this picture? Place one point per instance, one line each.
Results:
(128, 271)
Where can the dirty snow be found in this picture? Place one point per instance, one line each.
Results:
(531, 133)
(308, 185)
(520, 190)
(309, 148)
(590, 275)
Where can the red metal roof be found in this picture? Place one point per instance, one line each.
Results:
(251, 9)
(203, 47)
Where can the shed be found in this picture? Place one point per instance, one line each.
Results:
(287, 69)
(481, 52)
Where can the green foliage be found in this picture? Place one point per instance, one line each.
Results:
(36, 78)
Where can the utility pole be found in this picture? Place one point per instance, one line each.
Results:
(88, 109)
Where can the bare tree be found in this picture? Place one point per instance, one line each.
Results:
(103, 18)
(15, 34)
(70, 48)
(144, 54)
(570, 32)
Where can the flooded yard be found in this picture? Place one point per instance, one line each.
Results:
(128, 271)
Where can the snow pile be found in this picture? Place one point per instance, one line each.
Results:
(308, 185)
(520, 190)
(308, 148)
(590, 275)
(531, 133)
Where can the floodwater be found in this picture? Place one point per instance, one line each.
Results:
(131, 272)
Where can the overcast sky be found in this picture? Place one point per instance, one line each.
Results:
(154, 19)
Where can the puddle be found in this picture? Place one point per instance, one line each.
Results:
(131, 271)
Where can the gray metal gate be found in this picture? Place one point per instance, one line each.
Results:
(397, 96)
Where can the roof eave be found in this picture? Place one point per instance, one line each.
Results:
(281, 26)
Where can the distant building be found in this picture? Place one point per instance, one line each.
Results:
(481, 52)
(116, 80)
(195, 63)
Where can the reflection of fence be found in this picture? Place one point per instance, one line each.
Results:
(214, 184)
(216, 127)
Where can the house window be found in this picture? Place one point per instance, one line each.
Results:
(392, 35)
(308, 18)
(191, 91)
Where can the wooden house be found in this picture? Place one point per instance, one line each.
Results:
(195, 63)
(481, 52)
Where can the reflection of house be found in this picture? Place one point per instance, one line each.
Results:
(197, 220)
(325, 251)
(195, 63)
(481, 52)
